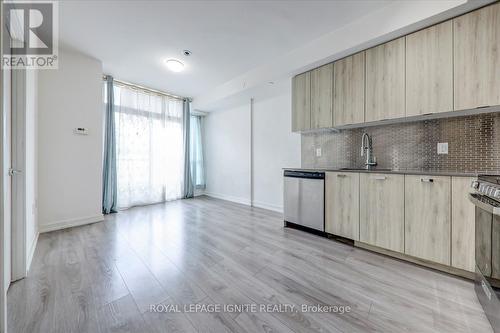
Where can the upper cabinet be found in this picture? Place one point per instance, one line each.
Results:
(349, 90)
(385, 81)
(301, 102)
(429, 70)
(477, 58)
(451, 66)
(321, 96)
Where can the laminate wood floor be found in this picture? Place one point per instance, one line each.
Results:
(104, 277)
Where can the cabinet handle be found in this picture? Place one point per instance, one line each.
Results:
(379, 177)
(426, 180)
(341, 175)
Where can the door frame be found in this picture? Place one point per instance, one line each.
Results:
(3, 236)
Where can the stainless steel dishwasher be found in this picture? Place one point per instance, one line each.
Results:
(304, 198)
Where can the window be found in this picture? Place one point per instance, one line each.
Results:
(196, 152)
(149, 147)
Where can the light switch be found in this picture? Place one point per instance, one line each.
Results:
(318, 152)
(442, 148)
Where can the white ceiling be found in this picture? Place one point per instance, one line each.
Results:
(227, 38)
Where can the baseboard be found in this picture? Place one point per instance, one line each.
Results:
(244, 201)
(275, 208)
(31, 252)
(418, 261)
(198, 193)
(240, 200)
(70, 223)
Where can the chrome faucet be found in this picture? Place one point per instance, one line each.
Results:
(366, 148)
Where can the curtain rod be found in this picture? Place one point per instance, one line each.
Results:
(159, 92)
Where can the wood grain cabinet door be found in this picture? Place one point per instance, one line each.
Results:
(476, 42)
(429, 70)
(349, 90)
(342, 204)
(462, 224)
(301, 102)
(382, 210)
(385, 81)
(321, 96)
(428, 218)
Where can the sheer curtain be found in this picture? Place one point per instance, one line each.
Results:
(149, 141)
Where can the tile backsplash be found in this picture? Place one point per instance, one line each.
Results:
(473, 145)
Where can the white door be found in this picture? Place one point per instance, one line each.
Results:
(18, 174)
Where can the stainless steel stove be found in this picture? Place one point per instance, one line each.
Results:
(486, 198)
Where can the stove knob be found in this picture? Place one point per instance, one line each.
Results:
(474, 184)
(481, 188)
(491, 191)
(497, 194)
(485, 189)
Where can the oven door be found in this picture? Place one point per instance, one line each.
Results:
(487, 254)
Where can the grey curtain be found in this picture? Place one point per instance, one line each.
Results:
(109, 185)
(188, 179)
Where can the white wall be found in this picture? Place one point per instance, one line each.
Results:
(274, 147)
(70, 165)
(227, 139)
(227, 154)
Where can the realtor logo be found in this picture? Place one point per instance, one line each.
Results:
(29, 34)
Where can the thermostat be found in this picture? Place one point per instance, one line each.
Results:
(81, 131)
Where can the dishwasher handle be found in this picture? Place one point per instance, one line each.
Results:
(304, 174)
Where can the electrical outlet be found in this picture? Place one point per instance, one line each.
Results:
(442, 148)
(318, 152)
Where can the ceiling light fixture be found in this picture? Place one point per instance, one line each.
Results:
(174, 65)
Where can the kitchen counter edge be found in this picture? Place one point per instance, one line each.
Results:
(396, 172)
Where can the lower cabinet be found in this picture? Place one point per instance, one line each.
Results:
(428, 218)
(382, 210)
(342, 204)
(462, 225)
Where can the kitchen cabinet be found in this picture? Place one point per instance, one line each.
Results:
(429, 70)
(301, 102)
(349, 90)
(462, 224)
(385, 81)
(382, 210)
(476, 42)
(450, 66)
(428, 218)
(321, 96)
(342, 204)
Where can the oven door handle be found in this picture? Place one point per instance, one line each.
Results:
(483, 205)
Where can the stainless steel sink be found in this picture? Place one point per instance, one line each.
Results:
(364, 169)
